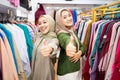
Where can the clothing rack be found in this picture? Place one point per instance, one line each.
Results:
(111, 11)
(105, 7)
(7, 15)
(18, 18)
(84, 15)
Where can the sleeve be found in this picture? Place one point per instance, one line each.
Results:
(54, 44)
(63, 40)
(81, 46)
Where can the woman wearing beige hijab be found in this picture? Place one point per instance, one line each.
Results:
(44, 50)
(71, 47)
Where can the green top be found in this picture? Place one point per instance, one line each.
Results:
(64, 64)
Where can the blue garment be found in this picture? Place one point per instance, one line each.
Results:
(28, 40)
(118, 5)
(74, 16)
(117, 15)
(82, 30)
(77, 27)
(1, 36)
(9, 37)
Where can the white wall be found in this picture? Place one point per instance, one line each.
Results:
(56, 4)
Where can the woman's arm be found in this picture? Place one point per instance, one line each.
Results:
(54, 43)
(67, 43)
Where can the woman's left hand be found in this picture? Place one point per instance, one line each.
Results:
(76, 57)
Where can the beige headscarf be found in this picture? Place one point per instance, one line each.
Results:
(60, 27)
(51, 33)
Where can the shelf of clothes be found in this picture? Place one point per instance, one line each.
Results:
(16, 45)
(101, 40)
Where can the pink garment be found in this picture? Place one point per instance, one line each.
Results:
(111, 52)
(16, 3)
(116, 66)
(8, 67)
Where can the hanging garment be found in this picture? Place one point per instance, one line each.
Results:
(28, 40)
(31, 32)
(116, 65)
(86, 75)
(87, 37)
(111, 55)
(96, 57)
(74, 16)
(24, 3)
(102, 65)
(16, 3)
(96, 60)
(7, 60)
(9, 37)
(40, 11)
(1, 37)
(18, 49)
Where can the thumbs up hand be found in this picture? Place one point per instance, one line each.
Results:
(70, 48)
(45, 49)
(44, 42)
(71, 39)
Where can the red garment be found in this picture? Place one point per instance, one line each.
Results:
(102, 36)
(38, 13)
(116, 66)
(101, 74)
(107, 41)
(86, 74)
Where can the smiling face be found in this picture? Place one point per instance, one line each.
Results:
(67, 19)
(43, 25)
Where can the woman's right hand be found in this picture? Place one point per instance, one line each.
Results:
(70, 48)
(45, 49)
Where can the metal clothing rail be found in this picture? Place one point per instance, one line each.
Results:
(104, 9)
(108, 5)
